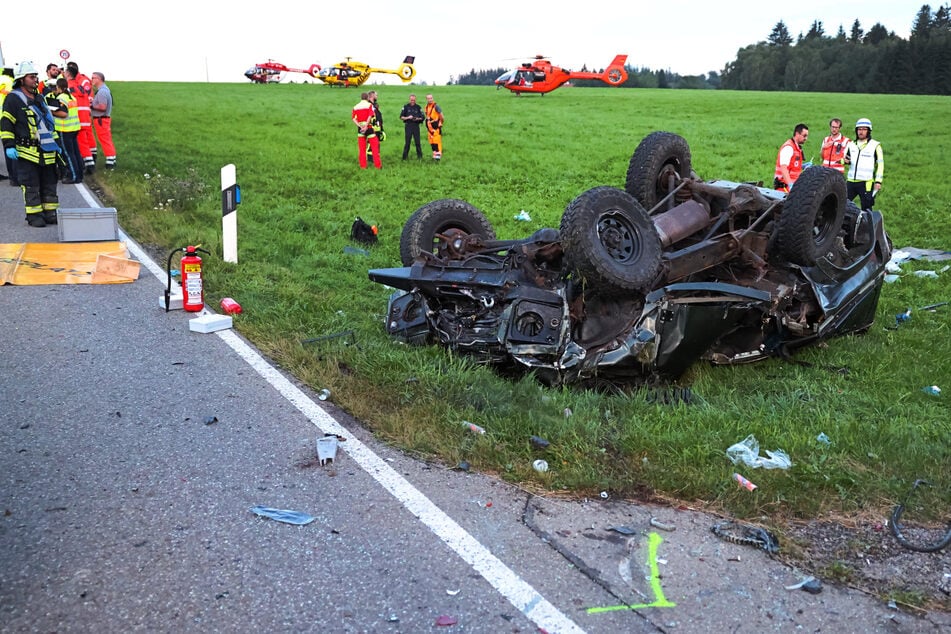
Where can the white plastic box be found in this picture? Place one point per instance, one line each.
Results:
(87, 225)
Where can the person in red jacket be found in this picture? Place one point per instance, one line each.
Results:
(364, 117)
(81, 88)
(833, 147)
(789, 164)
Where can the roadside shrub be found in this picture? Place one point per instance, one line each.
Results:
(178, 194)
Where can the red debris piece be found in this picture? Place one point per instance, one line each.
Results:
(446, 620)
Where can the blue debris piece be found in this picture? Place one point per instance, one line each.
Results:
(288, 517)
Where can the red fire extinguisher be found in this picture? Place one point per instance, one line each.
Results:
(193, 288)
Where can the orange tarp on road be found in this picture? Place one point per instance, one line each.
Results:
(33, 263)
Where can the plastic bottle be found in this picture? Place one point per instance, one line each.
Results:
(473, 427)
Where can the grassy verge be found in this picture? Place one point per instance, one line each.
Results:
(295, 152)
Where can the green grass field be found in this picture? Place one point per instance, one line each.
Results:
(294, 148)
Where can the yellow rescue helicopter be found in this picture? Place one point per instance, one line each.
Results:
(350, 73)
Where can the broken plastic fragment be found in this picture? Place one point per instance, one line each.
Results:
(809, 584)
(327, 449)
(522, 216)
(288, 517)
(444, 619)
(933, 390)
(823, 439)
(539, 442)
(656, 523)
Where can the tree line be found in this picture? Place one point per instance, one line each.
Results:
(873, 61)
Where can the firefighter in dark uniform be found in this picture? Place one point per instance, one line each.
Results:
(29, 138)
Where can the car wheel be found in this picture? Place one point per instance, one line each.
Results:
(812, 216)
(610, 241)
(660, 156)
(434, 226)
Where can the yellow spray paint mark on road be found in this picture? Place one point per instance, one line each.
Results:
(660, 601)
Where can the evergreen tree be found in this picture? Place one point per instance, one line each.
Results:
(922, 26)
(876, 35)
(816, 31)
(780, 35)
(941, 23)
(856, 33)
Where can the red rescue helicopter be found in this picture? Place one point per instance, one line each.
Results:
(541, 76)
(270, 72)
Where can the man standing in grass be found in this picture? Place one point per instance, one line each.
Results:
(378, 118)
(866, 163)
(364, 117)
(434, 122)
(833, 147)
(412, 116)
(101, 110)
(789, 160)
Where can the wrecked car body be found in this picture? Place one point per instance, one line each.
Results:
(639, 283)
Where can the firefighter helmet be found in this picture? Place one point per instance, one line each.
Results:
(863, 123)
(24, 69)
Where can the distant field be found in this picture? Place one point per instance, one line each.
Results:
(295, 152)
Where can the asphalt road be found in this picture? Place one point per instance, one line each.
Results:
(133, 450)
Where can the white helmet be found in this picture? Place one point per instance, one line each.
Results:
(24, 69)
(863, 123)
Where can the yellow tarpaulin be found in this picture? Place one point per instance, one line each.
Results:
(31, 263)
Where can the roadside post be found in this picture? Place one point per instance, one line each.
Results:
(230, 198)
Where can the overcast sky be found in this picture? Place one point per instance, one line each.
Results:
(197, 41)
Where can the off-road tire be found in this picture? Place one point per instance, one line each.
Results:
(429, 226)
(812, 216)
(610, 242)
(657, 156)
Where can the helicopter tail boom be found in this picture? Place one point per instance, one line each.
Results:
(614, 74)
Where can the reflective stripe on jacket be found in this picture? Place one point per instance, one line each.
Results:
(795, 163)
(866, 161)
(71, 122)
(19, 128)
(833, 155)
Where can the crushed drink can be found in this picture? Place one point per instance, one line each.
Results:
(230, 306)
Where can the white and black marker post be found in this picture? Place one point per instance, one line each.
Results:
(230, 198)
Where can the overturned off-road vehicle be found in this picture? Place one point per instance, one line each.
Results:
(637, 284)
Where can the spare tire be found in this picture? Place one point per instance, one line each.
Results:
(658, 157)
(610, 242)
(433, 226)
(812, 216)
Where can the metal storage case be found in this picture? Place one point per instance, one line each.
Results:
(87, 225)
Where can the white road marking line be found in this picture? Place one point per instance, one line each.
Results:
(519, 593)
